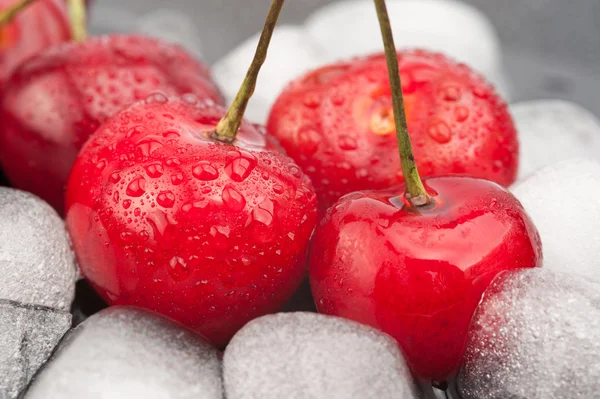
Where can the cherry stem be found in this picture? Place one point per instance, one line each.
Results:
(228, 127)
(415, 191)
(7, 15)
(78, 12)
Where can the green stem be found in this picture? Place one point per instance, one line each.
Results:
(228, 127)
(7, 15)
(78, 12)
(415, 191)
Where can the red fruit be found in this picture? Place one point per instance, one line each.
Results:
(57, 99)
(162, 217)
(419, 273)
(338, 121)
(36, 28)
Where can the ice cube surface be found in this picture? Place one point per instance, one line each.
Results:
(173, 26)
(551, 131)
(28, 335)
(37, 264)
(536, 335)
(562, 200)
(124, 352)
(291, 53)
(308, 355)
(349, 28)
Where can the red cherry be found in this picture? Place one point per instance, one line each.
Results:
(338, 121)
(163, 217)
(419, 273)
(57, 99)
(41, 25)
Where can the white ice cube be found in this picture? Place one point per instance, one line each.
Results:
(291, 53)
(554, 130)
(350, 27)
(173, 26)
(313, 356)
(37, 264)
(28, 335)
(129, 353)
(562, 201)
(536, 335)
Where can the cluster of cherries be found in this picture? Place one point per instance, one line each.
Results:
(175, 204)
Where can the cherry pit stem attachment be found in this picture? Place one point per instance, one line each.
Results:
(228, 127)
(415, 191)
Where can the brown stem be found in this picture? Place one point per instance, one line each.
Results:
(8, 14)
(78, 12)
(415, 191)
(228, 127)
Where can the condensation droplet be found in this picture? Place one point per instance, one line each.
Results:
(156, 98)
(440, 132)
(178, 269)
(239, 165)
(154, 169)
(137, 187)
(166, 199)
(205, 171)
(233, 199)
(347, 143)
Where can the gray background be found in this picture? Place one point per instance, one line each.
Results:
(551, 47)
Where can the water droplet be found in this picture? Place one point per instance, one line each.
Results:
(156, 98)
(171, 134)
(451, 93)
(101, 165)
(178, 269)
(115, 177)
(177, 178)
(239, 165)
(166, 199)
(134, 131)
(173, 161)
(481, 91)
(291, 236)
(154, 169)
(309, 139)
(294, 170)
(338, 98)
(137, 187)
(440, 132)
(233, 199)
(461, 113)
(278, 189)
(347, 143)
(126, 204)
(220, 237)
(312, 100)
(205, 171)
(127, 235)
(261, 221)
(190, 98)
(147, 146)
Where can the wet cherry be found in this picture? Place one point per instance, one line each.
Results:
(414, 260)
(57, 99)
(338, 121)
(18, 40)
(171, 208)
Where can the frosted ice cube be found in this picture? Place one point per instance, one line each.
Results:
(562, 201)
(536, 335)
(308, 355)
(291, 54)
(28, 335)
(349, 28)
(552, 131)
(37, 264)
(173, 26)
(124, 352)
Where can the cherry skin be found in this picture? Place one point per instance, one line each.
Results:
(419, 273)
(162, 217)
(58, 98)
(43, 24)
(338, 121)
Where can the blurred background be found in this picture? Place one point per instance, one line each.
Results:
(550, 47)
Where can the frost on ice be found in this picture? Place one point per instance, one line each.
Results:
(313, 356)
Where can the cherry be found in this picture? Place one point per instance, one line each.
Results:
(414, 260)
(338, 121)
(178, 206)
(41, 25)
(55, 100)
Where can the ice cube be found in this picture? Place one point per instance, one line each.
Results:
(37, 264)
(348, 28)
(562, 201)
(28, 335)
(291, 54)
(536, 335)
(124, 352)
(173, 26)
(308, 355)
(552, 131)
